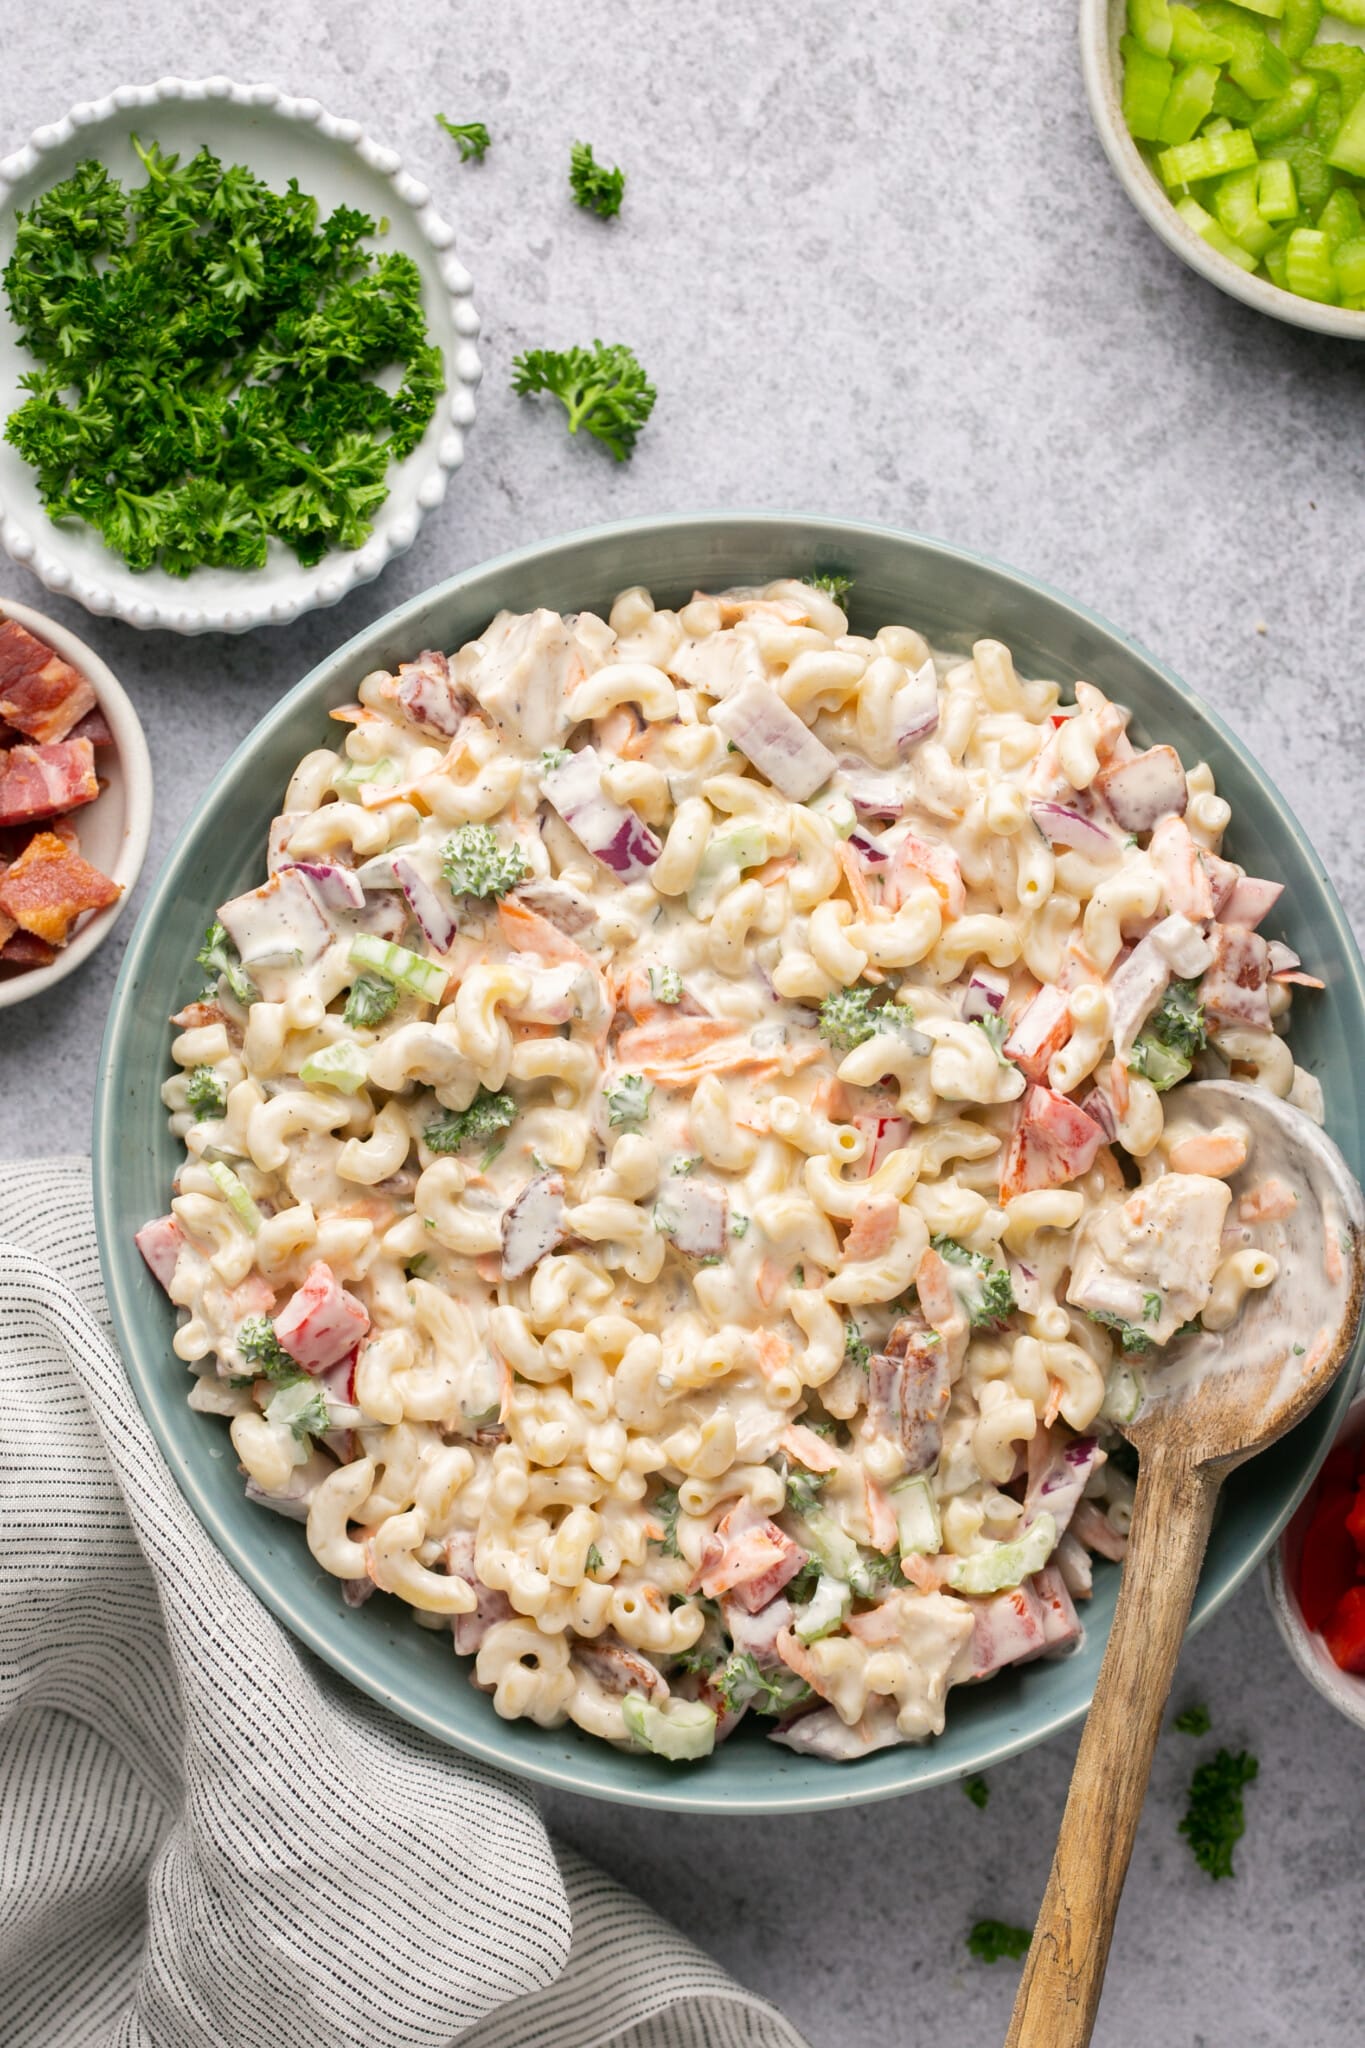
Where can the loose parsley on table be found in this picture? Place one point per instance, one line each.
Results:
(603, 389)
(992, 1941)
(977, 1790)
(598, 188)
(1194, 1721)
(208, 362)
(472, 137)
(1215, 1819)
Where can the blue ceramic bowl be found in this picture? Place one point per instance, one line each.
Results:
(954, 598)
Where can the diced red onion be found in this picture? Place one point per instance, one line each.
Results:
(867, 789)
(985, 994)
(778, 742)
(1062, 826)
(336, 887)
(914, 708)
(868, 846)
(379, 873)
(611, 832)
(1144, 789)
(436, 918)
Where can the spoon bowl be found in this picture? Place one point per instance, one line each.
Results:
(1216, 1399)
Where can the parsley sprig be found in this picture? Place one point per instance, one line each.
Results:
(603, 389)
(598, 188)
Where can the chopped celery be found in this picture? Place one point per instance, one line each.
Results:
(1122, 1395)
(1275, 194)
(1346, 10)
(1193, 43)
(349, 778)
(1006, 1564)
(412, 971)
(1340, 219)
(917, 1517)
(1313, 180)
(1273, 8)
(1344, 62)
(826, 1609)
(1348, 261)
(1239, 214)
(1208, 229)
(1327, 115)
(1298, 25)
(1258, 67)
(1276, 261)
(1208, 156)
(1348, 150)
(341, 1065)
(1308, 265)
(1188, 102)
(1280, 117)
(1230, 101)
(679, 1730)
(727, 855)
(1150, 21)
(1146, 82)
(236, 1196)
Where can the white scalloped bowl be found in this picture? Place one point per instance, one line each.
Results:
(278, 137)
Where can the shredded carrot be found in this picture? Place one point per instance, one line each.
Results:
(722, 1059)
(772, 1351)
(769, 1281)
(1055, 1391)
(920, 1572)
(808, 1449)
(1118, 1082)
(853, 875)
(829, 1097)
(936, 1295)
(526, 931)
(672, 1041)
(616, 727)
(354, 714)
(881, 1516)
(1212, 1152)
(774, 869)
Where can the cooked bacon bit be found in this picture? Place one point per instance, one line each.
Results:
(773, 1352)
(1268, 1203)
(909, 1385)
(23, 950)
(49, 887)
(39, 692)
(1233, 990)
(94, 727)
(37, 782)
(873, 1231)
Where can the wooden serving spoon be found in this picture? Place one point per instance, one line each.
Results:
(1212, 1403)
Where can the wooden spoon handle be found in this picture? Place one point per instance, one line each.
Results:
(1064, 1975)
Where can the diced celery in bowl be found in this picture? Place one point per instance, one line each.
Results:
(1252, 116)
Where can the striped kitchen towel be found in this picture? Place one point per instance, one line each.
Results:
(207, 1839)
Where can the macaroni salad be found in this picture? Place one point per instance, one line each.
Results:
(684, 1166)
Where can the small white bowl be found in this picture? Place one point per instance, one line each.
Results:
(1102, 24)
(113, 830)
(1306, 1646)
(278, 137)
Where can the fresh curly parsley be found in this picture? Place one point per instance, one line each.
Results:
(856, 1350)
(666, 1508)
(475, 862)
(1215, 1819)
(457, 1128)
(369, 1002)
(598, 188)
(741, 1682)
(991, 1297)
(1195, 1720)
(205, 1093)
(1165, 1050)
(627, 1100)
(595, 1559)
(837, 587)
(847, 1019)
(603, 389)
(213, 363)
(1133, 1338)
(472, 136)
(994, 1941)
(259, 1346)
(803, 1489)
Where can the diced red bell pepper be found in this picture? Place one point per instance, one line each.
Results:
(1344, 1633)
(1329, 1560)
(1355, 1522)
(321, 1323)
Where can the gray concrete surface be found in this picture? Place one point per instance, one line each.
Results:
(877, 266)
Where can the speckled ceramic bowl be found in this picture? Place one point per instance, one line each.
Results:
(1101, 25)
(1344, 1689)
(279, 136)
(953, 597)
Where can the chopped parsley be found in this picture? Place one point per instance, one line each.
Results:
(665, 984)
(1151, 1307)
(627, 1100)
(1215, 1819)
(595, 1559)
(552, 758)
(209, 363)
(856, 1350)
(598, 188)
(977, 1790)
(741, 1682)
(991, 1296)
(738, 1226)
(259, 1346)
(997, 1031)
(370, 1001)
(1165, 1050)
(603, 389)
(803, 1489)
(1131, 1336)
(1194, 1721)
(205, 1093)
(686, 1163)
(472, 136)
(847, 1019)
(802, 1587)
(666, 1507)
(994, 1941)
(476, 863)
(219, 956)
(457, 1128)
(837, 587)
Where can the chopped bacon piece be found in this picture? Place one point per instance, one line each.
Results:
(321, 1322)
(1053, 1142)
(1009, 1629)
(49, 887)
(21, 949)
(908, 1390)
(429, 696)
(160, 1243)
(1234, 990)
(470, 1629)
(39, 692)
(38, 782)
(94, 727)
(1092, 1527)
(1248, 901)
(1144, 789)
(1041, 1029)
(1061, 1623)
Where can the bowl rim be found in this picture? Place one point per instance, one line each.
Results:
(691, 1794)
(1344, 1690)
(32, 545)
(130, 745)
(1098, 68)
